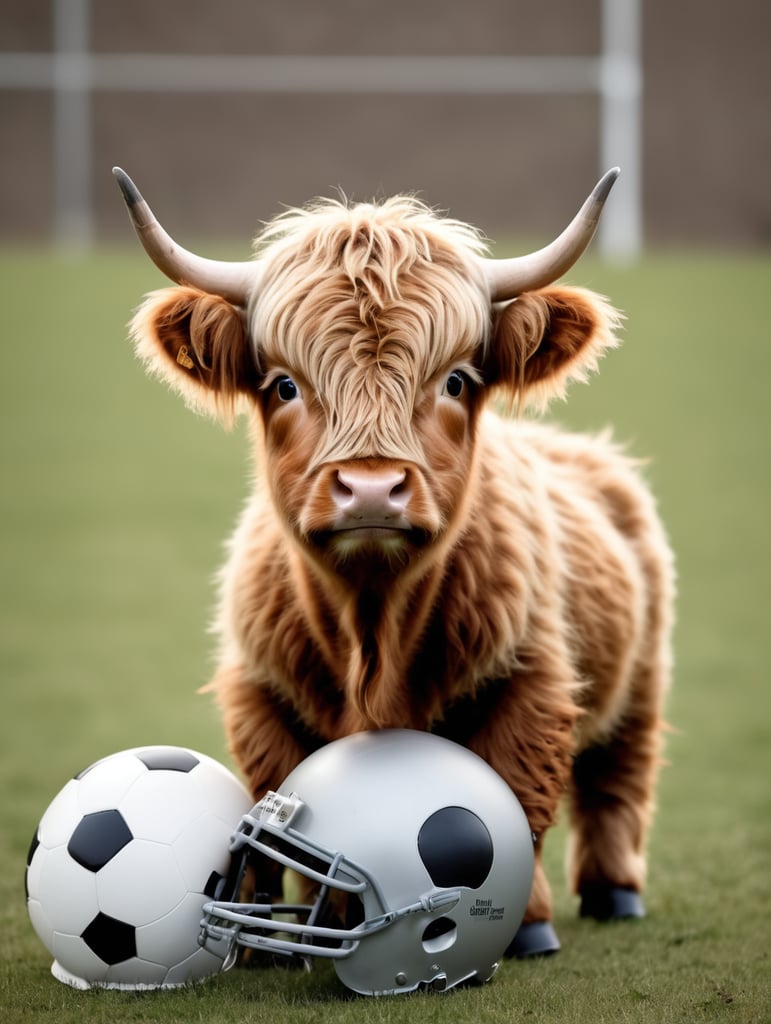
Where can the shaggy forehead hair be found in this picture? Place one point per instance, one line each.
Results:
(365, 304)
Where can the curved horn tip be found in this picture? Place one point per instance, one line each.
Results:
(605, 184)
(233, 281)
(129, 191)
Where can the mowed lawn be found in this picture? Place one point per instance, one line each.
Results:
(115, 501)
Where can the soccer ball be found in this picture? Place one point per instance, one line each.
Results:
(122, 862)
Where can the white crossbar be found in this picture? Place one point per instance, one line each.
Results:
(72, 73)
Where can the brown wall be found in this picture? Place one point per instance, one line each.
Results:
(511, 164)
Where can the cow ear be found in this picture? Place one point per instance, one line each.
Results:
(199, 344)
(543, 340)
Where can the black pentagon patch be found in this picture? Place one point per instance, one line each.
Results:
(97, 838)
(88, 768)
(456, 848)
(214, 885)
(32, 847)
(113, 941)
(170, 759)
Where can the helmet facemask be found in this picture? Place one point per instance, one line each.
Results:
(415, 886)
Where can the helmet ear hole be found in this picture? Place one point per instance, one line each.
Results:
(439, 935)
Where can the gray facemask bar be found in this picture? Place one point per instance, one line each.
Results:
(244, 924)
(245, 918)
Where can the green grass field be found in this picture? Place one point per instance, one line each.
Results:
(115, 504)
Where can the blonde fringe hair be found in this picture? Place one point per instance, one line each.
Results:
(393, 286)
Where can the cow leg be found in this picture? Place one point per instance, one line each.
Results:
(263, 743)
(611, 806)
(536, 935)
(264, 749)
(528, 740)
(616, 767)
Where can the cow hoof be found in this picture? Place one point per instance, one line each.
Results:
(535, 939)
(610, 903)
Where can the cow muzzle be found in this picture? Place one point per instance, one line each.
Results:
(370, 499)
(370, 502)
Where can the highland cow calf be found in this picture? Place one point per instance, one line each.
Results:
(410, 558)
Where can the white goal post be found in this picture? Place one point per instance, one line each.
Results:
(72, 73)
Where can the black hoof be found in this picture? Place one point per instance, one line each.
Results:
(535, 939)
(610, 903)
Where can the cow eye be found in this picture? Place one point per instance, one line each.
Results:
(453, 386)
(286, 389)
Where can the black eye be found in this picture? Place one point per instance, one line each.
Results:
(453, 386)
(286, 389)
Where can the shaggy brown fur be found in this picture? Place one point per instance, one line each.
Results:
(519, 599)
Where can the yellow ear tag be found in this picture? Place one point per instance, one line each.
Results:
(183, 358)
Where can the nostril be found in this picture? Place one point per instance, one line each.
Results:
(342, 492)
(401, 492)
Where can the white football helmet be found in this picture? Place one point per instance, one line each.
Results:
(430, 845)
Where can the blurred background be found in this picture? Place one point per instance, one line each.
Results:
(502, 111)
(115, 500)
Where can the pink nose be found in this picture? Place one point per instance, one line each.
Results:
(371, 497)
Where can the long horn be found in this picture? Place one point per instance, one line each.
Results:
(509, 278)
(233, 281)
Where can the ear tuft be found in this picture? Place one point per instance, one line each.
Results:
(543, 340)
(198, 344)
